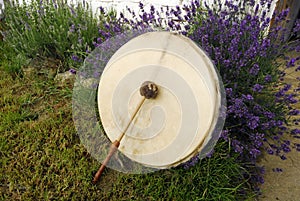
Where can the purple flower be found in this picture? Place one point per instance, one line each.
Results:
(171, 23)
(76, 58)
(259, 179)
(286, 149)
(97, 74)
(290, 99)
(287, 87)
(107, 26)
(291, 63)
(294, 112)
(141, 5)
(270, 151)
(237, 146)
(283, 128)
(277, 170)
(254, 70)
(248, 97)
(268, 78)
(73, 71)
(72, 28)
(269, 115)
(283, 157)
(295, 131)
(253, 122)
(191, 162)
(224, 135)
(255, 152)
(101, 10)
(257, 88)
(209, 155)
(187, 27)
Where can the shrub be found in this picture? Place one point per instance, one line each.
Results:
(247, 53)
(247, 58)
(51, 28)
(258, 100)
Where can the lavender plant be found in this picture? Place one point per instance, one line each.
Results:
(54, 29)
(247, 53)
(259, 102)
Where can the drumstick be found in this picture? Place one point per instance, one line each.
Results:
(148, 90)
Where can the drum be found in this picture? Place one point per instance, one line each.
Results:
(184, 119)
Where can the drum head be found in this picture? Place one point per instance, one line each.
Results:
(182, 120)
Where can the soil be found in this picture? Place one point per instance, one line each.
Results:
(285, 185)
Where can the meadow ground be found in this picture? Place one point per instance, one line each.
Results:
(42, 157)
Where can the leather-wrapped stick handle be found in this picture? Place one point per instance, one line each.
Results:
(113, 148)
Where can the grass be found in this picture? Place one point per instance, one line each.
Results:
(42, 157)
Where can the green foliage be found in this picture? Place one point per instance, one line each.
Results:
(50, 29)
(258, 100)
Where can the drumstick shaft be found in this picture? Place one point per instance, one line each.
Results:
(132, 118)
(114, 146)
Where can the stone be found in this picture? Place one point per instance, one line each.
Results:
(64, 78)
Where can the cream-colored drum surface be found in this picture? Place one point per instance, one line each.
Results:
(180, 122)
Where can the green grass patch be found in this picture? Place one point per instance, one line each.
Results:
(42, 157)
(215, 178)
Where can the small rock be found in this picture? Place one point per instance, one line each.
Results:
(64, 78)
